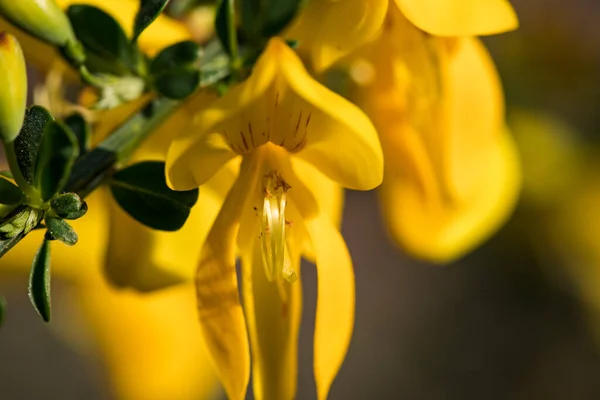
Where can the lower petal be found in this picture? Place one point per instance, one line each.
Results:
(335, 301)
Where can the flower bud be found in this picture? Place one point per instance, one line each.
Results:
(13, 84)
(41, 18)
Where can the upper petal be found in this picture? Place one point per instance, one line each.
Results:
(335, 301)
(460, 17)
(192, 161)
(282, 104)
(328, 30)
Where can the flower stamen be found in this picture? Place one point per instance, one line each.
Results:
(275, 254)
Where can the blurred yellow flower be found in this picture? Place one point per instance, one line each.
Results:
(451, 168)
(295, 139)
(331, 29)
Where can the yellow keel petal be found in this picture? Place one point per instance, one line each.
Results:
(273, 324)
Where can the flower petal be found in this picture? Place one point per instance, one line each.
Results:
(335, 301)
(273, 325)
(149, 343)
(192, 161)
(282, 104)
(221, 316)
(340, 139)
(460, 17)
(439, 230)
(473, 112)
(329, 29)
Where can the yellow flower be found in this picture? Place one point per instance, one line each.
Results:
(295, 139)
(451, 168)
(331, 29)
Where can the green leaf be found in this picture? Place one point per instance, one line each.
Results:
(27, 144)
(262, 19)
(148, 12)
(59, 229)
(223, 20)
(142, 191)
(2, 310)
(56, 157)
(182, 54)
(107, 47)
(10, 193)
(39, 281)
(81, 130)
(178, 83)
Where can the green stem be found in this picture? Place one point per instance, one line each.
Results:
(92, 168)
(233, 40)
(33, 197)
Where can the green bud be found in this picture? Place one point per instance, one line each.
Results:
(59, 229)
(41, 18)
(13, 87)
(69, 206)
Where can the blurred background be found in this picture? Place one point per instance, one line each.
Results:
(519, 318)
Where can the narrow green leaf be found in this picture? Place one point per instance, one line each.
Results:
(2, 309)
(148, 12)
(182, 54)
(39, 281)
(56, 157)
(59, 229)
(178, 83)
(142, 191)
(27, 144)
(81, 130)
(10, 193)
(223, 22)
(107, 47)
